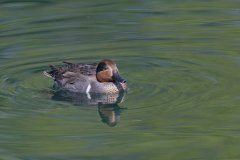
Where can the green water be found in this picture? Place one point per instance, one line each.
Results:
(181, 60)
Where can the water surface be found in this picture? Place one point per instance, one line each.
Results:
(181, 60)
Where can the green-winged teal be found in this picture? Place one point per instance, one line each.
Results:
(102, 77)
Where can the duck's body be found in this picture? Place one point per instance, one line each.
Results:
(88, 78)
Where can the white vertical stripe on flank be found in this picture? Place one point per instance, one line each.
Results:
(87, 91)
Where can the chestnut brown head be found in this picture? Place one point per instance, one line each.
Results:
(107, 71)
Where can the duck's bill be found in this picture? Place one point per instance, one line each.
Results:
(118, 78)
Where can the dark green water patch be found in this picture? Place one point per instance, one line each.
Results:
(180, 59)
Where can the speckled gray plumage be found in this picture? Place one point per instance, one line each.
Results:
(78, 77)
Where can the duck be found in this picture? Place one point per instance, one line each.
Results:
(102, 77)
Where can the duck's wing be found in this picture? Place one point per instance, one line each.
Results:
(71, 77)
(72, 81)
(58, 73)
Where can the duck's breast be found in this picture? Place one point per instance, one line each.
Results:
(107, 87)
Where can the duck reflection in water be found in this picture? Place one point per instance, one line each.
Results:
(108, 104)
(110, 114)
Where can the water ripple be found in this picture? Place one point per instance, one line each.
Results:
(169, 82)
(23, 4)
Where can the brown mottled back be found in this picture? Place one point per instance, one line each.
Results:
(84, 69)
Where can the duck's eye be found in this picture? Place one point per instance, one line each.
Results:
(105, 68)
(101, 67)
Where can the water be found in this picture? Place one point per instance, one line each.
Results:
(181, 60)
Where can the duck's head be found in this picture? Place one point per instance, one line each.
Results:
(107, 71)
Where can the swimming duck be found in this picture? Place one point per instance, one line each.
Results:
(102, 77)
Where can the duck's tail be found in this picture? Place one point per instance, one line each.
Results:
(57, 72)
(45, 73)
(52, 73)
